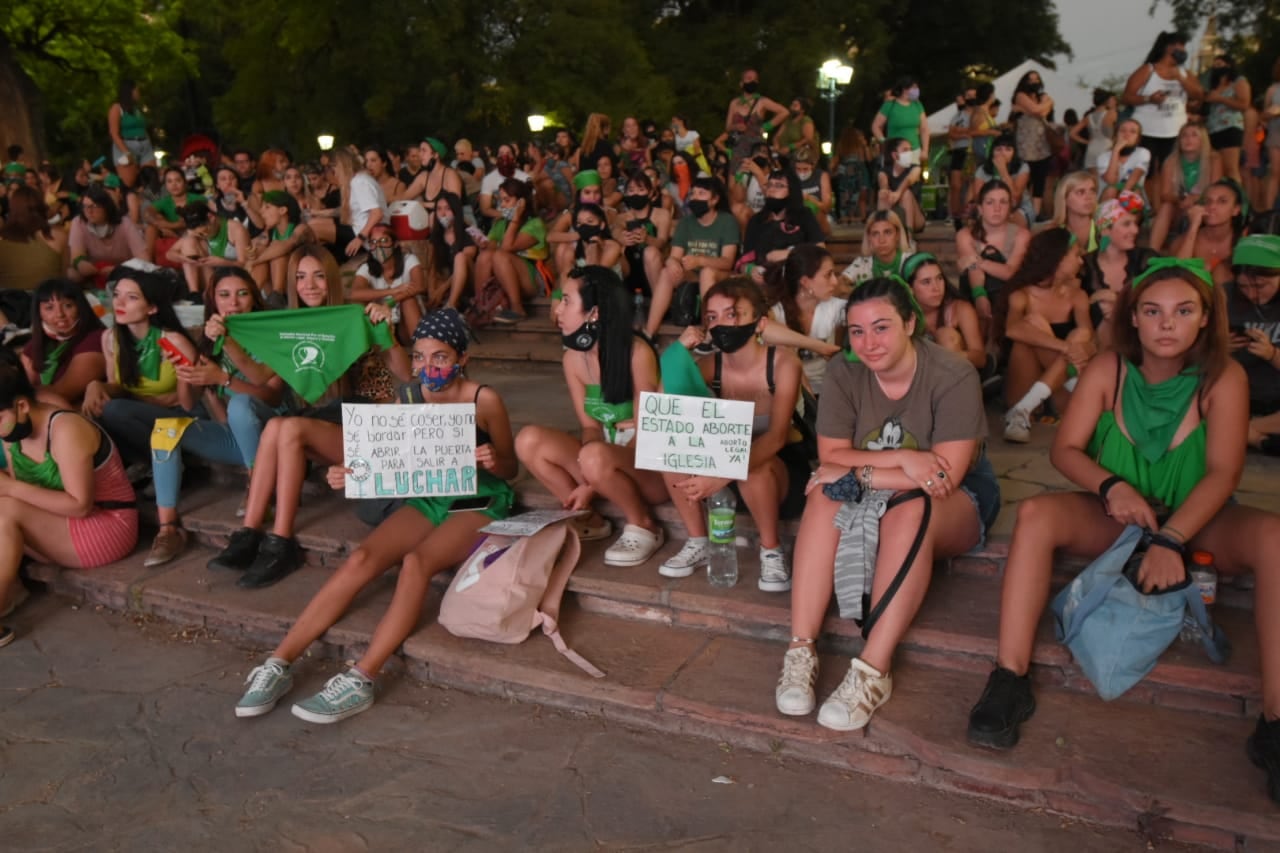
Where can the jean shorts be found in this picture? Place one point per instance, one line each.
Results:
(983, 488)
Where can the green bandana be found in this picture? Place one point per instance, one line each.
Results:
(1257, 250)
(1153, 413)
(1195, 266)
(148, 350)
(1190, 173)
(51, 361)
(680, 373)
(882, 270)
(309, 348)
(586, 178)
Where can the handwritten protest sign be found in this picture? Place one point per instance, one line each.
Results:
(694, 435)
(409, 451)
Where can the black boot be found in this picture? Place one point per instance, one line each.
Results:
(277, 557)
(1005, 704)
(1264, 751)
(240, 552)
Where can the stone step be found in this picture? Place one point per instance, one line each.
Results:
(1168, 772)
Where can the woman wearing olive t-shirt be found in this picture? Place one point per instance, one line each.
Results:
(898, 413)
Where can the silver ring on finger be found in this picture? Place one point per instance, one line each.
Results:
(928, 484)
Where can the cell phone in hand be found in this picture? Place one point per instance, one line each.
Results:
(171, 349)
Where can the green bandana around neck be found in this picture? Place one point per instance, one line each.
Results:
(310, 348)
(52, 359)
(148, 350)
(1153, 413)
(882, 270)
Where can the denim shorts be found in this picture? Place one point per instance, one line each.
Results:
(983, 488)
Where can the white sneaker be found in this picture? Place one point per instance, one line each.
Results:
(635, 546)
(863, 690)
(794, 694)
(775, 574)
(687, 561)
(1017, 426)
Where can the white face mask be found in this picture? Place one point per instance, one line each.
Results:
(904, 159)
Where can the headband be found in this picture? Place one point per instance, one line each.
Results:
(914, 262)
(447, 326)
(276, 198)
(1195, 266)
(586, 178)
(1257, 250)
(436, 145)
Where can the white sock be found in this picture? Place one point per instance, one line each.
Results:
(281, 662)
(1071, 383)
(1037, 395)
(698, 540)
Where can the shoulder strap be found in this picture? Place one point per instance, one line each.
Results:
(768, 370)
(548, 614)
(873, 616)
(48, 430)
(715, 380)
(476, 399)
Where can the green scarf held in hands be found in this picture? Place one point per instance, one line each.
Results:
(1153, 413)
(310, 348)
(52, 359)
(148, 350)
(681, 374)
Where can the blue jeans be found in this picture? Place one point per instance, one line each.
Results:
(129, 422)
(232, 443)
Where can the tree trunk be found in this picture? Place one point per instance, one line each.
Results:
(22, 123)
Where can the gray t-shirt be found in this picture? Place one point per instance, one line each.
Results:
(943, 404)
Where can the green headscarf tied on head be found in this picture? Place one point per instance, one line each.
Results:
(276, 198)
(1195, 266)
(436, 145)
(586, 178)
(1257, 250)
(914, 262)
(850, 355)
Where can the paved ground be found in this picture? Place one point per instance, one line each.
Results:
(118, 735)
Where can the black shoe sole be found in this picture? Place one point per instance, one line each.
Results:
(217, 565)
(259, 581)
(1273, 779)
(1004, 738)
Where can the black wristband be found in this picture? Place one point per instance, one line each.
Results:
(1159, 540)
(1108, 484)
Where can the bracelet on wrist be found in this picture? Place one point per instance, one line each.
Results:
(1158, 540)
(979, 292)
(1105, 487)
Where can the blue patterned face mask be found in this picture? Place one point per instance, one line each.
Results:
(435, 379)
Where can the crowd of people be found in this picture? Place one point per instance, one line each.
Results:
(1145, 324)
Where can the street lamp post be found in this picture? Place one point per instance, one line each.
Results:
(537, 123)
(833, 76)
(325, 141)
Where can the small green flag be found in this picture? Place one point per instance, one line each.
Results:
(310, 348)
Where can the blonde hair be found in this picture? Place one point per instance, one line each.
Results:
(904, 241)
(598, 126)
(346, 164)
(1206, 162)
(1069, 184)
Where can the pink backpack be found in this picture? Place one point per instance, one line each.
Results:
(511, 585)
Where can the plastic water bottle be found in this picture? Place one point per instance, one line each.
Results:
(1204, 577)
(722, 559)
(639, 317)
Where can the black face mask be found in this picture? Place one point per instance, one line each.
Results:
(1179, 56)
(588, 232)
(584, 338)
(732, 338)
(699, 207)
(21, 430)
(775, 205)
(636, 202)
(1217, 76)
(970, 102)
(1127, 150)
(750, 87)
(762, 162)
(431, 164)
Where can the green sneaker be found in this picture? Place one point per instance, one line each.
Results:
(267, 685)
(344, 695)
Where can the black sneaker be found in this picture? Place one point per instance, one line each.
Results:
(1005, 704)
(277, 557)
(240, 552)
(1264, 751)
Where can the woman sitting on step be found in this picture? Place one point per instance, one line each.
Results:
(1155, 436)
(288, 442)
(950, 321)
(64, 354)
(238, 393)
(744, 368)
(606, 367)
(902, 425)
(64, 497)
(430, 535)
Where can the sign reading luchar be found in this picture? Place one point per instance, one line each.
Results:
(694, 435)
(409, 451)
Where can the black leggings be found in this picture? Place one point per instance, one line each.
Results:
(1039, 175)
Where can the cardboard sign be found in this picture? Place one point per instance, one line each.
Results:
(409, 451)
(694, 435)
(529, 523)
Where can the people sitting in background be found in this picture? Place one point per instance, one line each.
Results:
(515, 247)
(363, 203)
(1253, 312)
(606, 366)
(268, 259)
(271, 168)
(453, 253)
(1155, 437)
(950, 321)
(316, 433)
(595, 245)
(1184, 179)
(101, 238)
(237, 395)
(1213, 227)
(899, 415)
(643, 228)
(1126, 165)
(1097, 128)
(505, 168)
(426, 536)
(797, 130)
(1004, 166)
(815, 186)
(704, 249)
(209, 242)
(66, 499)
(1109, 272)
(141, 381)
(1049, 330)
(393, 277)
(743, 368)
(164, 217)
(885, 245)
(1075, 204)
(588, 189)
(990, 251)
(896, 177)
(377, 163)
(753, 174)
(783, 224)
(64, 354)
(801, 291)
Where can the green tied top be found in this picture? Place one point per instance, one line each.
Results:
(43, 473)
(149, 355)
(52, 359)
(608, 415)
